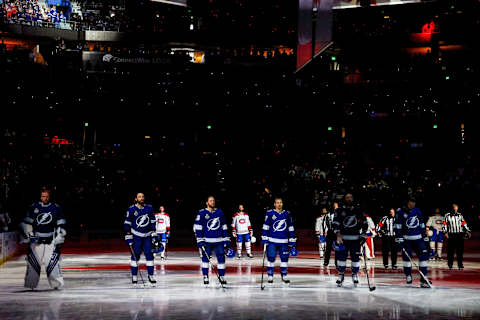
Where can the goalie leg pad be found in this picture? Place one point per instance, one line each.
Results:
(32, 276)
(54, 274)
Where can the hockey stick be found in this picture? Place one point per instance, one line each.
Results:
(417, 266)
(263, 265)
(366, 271)
(213, 266)
(138, 265)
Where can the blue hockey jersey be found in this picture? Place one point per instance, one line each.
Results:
(140, 222)
(350, 222)
(211, 227)
(278, 228)
(45, 219)
(409, 225)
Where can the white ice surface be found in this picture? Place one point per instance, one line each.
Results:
(180, 293)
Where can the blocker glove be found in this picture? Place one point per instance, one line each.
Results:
(399, 241)
(201, 243)
(226, 242)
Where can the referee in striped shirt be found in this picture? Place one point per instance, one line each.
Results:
(387, 233)
(455, 228)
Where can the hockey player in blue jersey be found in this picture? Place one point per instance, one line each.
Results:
(44, 229)
(211, 231)
(410, 234)
(278, 235)
(350, 226)
(140, 228)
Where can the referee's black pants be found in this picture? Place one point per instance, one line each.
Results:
(389, 246)
(455, 243)
(329, 246)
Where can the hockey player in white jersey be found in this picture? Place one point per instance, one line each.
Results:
(242, 231)
(44, 229)
(371, 233)
(321, 228)
(435, 233)
(163, 229)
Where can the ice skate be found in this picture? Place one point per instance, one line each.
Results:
(409, 279)
(134, 281)
(340, 279)
(355, 279)
(152, 280)
(285, 279)
(270, 279)
(206, 281)
(222, 280)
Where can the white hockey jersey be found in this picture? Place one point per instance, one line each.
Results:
(321, 226)
(163, 222)
(241, 223)
(435, 222)
(371, 227)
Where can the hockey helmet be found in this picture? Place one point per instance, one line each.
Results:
(230, 253)
(253, 239)
(157, 247)
(338, 247)
(293, 252)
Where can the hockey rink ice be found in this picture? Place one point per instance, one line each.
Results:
(98, 286)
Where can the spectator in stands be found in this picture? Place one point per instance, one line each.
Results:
(4, 219)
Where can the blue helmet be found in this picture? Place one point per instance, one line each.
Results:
(230, 253)
(338, 247)
(158, 247)
(293, 252)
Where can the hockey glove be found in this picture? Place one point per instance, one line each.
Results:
(201, 244)
(426, 241)
(168, 234)
(234, 233)
(60, 238)
(129, 239)
(264, 241)
(400, 242)
(226, 242)
(32, 238)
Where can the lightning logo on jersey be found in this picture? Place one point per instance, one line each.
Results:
(142, 221)
(412, 222)
(350, 222)
(279, 225)
(213, 224)
(44, 218)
